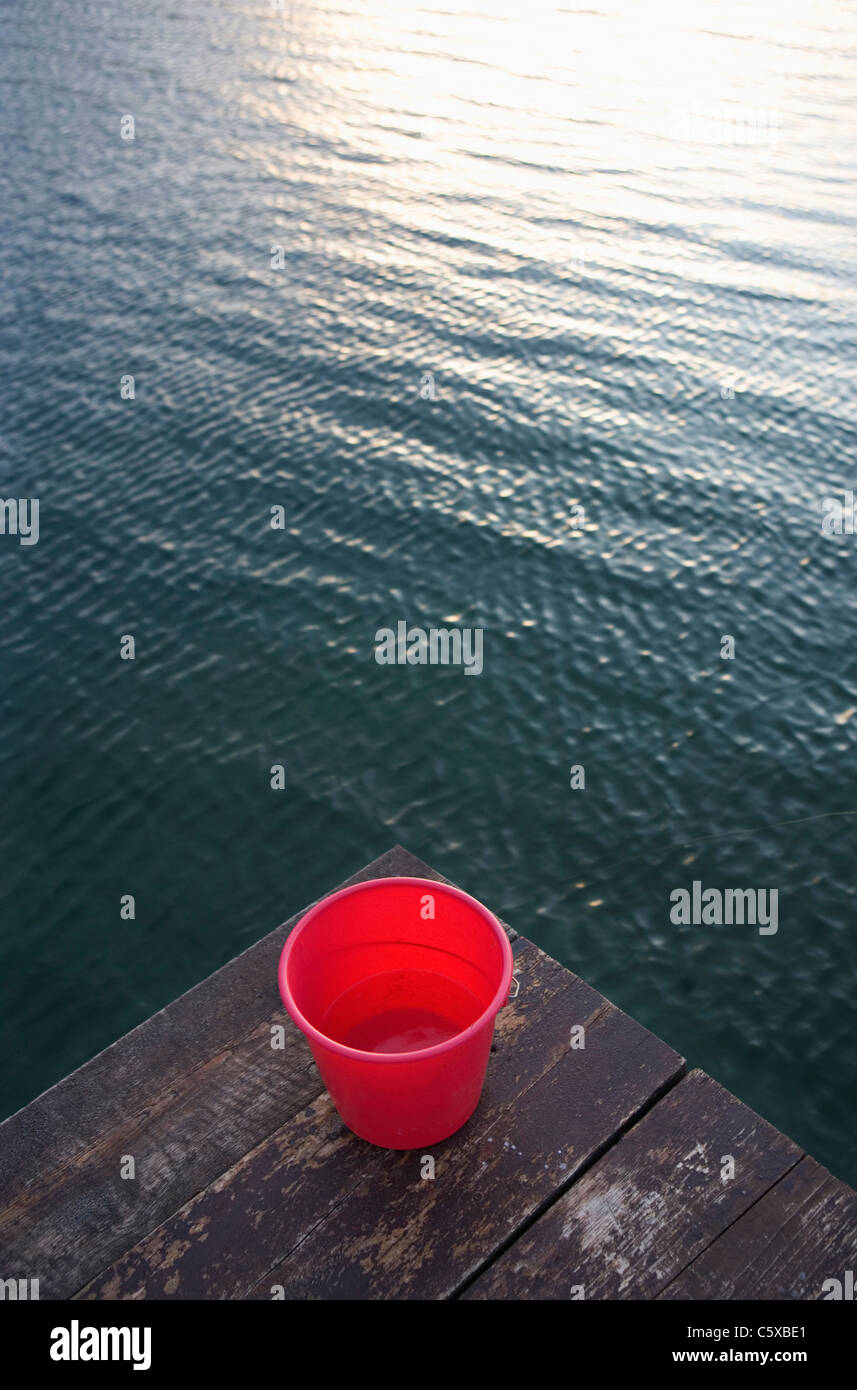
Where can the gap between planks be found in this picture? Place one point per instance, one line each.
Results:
(596, 1157)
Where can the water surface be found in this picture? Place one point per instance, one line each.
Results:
(621, 241)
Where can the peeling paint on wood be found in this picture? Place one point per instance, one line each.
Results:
(653, 1202)
(600, 1167)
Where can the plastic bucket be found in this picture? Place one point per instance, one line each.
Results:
(396, 984)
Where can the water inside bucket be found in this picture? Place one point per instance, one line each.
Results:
(401, 1011)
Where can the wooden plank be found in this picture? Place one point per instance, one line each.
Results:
(78, 1216)
(192, 1030)
(324, 1215)
(185, 1094)
(802, 1233)
(638, 1217)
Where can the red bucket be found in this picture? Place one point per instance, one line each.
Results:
(396, 984)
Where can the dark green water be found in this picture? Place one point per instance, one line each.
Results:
(629, 304)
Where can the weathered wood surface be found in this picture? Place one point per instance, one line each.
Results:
(186, 1094)
(801, 1234)
(318, 1212)
(638, 1217)
(597, 1166)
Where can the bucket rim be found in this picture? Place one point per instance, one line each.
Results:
(418, 1054)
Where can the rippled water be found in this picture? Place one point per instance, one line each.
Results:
(621, 240)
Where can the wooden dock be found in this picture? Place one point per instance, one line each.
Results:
(603, 1171)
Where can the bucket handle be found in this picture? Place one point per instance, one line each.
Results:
(514, 988)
